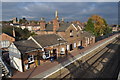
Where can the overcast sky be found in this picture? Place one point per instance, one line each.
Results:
(68, 10)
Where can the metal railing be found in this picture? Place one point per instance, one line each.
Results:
(6, 66)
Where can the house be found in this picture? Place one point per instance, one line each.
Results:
(115, 28)
(70, 31)
(5, 40)
(51, 44)
(87, 38)
(24, 54)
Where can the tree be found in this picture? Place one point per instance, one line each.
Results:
(90, 26)
(97, 25)
(24, 20)
(21, 34)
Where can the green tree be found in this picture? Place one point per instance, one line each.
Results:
(23, 21)
(90, 26)
(20, 34)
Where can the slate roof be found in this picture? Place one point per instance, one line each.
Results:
(86, 34)
(63, 27)
(48, 39)
(26, 45)
(49, 27)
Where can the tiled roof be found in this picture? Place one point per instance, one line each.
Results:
(26, 45)
(48, 39)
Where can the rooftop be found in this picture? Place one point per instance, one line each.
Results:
(26, 45)
(48, 39)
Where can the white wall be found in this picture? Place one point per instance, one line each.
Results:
(4, 44)
(15, 58)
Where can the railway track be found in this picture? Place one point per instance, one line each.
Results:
(112, 68)
(92, 66)
(99, 64)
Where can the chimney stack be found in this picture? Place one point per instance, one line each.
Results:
(42, 24)
(55, 25)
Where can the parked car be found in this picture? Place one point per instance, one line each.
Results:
(80, 47)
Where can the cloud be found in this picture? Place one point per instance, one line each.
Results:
(69, 10)
(28, 17)
(60, 1)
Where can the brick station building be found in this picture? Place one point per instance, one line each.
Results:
(30, 53)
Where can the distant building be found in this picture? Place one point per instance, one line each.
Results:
(115, 28)
(15, 20)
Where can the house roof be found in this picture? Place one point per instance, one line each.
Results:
(8, 34)
(86, 34)
(49, 27)
(48, 39)
(26, 45)
(63, 27)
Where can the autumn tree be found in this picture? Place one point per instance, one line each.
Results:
(97, 25)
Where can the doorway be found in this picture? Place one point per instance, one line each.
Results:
(81, 43)
(71, 47)
(55, 53)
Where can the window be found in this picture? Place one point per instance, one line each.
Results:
(71, 33)
(47, 53)
(79, 43)
(30, 58)
(67, 47)
(74, 45)
(62, 51)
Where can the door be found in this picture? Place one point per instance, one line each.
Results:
(81, 43)
(71, 47)
(55, 53)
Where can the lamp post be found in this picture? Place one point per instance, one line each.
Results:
(59, 39)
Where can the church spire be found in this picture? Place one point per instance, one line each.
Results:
(56, 14)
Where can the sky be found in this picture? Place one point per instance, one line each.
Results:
(70, 11)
